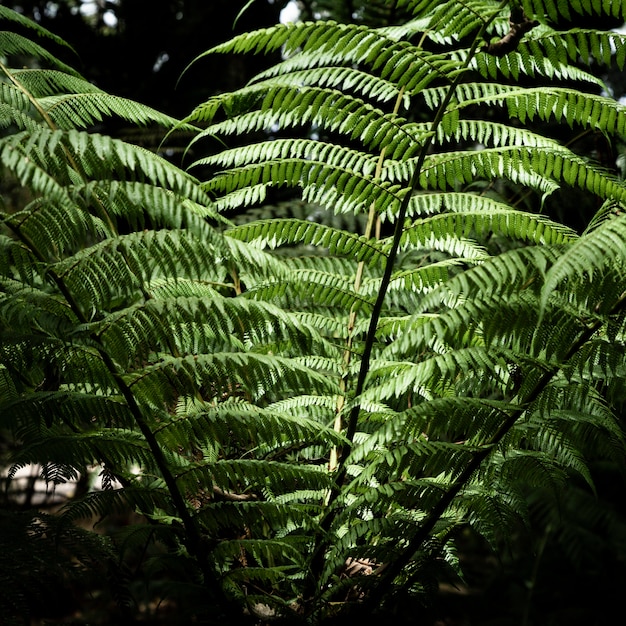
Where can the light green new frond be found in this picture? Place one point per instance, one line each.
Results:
(295, 36)
(166, 252)
(434, 96)
(240, 199)
(321, 408)
(253, 264)
(275, 233)
(327, 325)
(342, 267)
(460, 248)
(421, 279)
(403, 66)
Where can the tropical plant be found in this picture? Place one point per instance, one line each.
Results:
(349, 333)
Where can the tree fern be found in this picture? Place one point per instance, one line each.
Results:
(339, 337)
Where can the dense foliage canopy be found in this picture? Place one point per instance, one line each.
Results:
(377, 315)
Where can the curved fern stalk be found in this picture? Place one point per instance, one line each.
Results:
(373, 222)
(395, 244)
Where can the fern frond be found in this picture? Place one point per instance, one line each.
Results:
(517, 165)
(553, 9)
(27, 154)
(339, 189)
(564, 105)
(273, 233)
(344, 79)
(14, 16)
(595, 250)
(197, 325)
(63, 456)
(351, 44)
(257, 375)
(15, 44)
(576, 44)
(83, 110)
(330, 110)
(322, 288)
(490, 216)
(231, 423)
